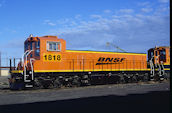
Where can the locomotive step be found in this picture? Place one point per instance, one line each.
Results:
(28, 86)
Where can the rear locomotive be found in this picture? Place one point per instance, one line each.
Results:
(46, 63)
(159, 62)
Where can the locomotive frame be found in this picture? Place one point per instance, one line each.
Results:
(46, 63)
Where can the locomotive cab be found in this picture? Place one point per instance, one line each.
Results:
(159, 61)
(37, 50)
(32, 44)
(159, 54)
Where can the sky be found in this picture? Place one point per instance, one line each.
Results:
(133, 25)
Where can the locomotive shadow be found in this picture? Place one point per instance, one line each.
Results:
(152, 102)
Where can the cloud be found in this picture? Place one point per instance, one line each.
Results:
(131, 31)
(146, 10)
(107, 11)
(163, 1)
(77, 16)
(126, 10)
(144, 3)
(96, 16)
(48, 22)
(51, 24)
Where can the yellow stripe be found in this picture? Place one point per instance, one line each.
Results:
(37, 71)
(17, 71)
(166, 64)
(167, 69)
(104, 52)
(92, 70)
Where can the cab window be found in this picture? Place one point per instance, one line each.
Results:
(53, 46)
(37, 52)
(37, 44)
(162, 54)
(37, 48)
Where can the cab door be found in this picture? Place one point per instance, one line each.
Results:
(162, 56)
(156, 57)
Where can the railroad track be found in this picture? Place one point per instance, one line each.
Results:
(7, 89)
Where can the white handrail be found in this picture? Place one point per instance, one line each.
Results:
(32, 66)
(159, 69)
(158, 65)
(152, 66)
(26, 54)
(162, 68)
(23, 57)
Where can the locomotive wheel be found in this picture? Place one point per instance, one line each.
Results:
(134, 79)
(37, 84)
(122, 80)
(127, 79)
(57, 84)
(47, 84)
(51, 85)
(67, 81)
(76, 81)
(145, 78)
(156, 78)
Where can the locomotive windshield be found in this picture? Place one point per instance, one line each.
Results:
(28, 45)
(37, 48)
(32, 45)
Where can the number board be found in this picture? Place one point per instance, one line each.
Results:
(51, 57)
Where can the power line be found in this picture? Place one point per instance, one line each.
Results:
(108, 44)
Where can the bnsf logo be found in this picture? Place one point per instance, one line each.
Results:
(103, 60)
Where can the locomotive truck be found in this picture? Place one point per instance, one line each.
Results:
(46, 63)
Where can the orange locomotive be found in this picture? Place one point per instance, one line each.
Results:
(47, 63)
(159, 62)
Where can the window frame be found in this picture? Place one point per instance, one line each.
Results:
(48, 42)
(162, 55)
(37, 54)
(37, 44)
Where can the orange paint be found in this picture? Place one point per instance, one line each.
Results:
(81, 61)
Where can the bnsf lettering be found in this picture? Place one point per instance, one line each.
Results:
(109, 59)
(103, 60)
(116, 60)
